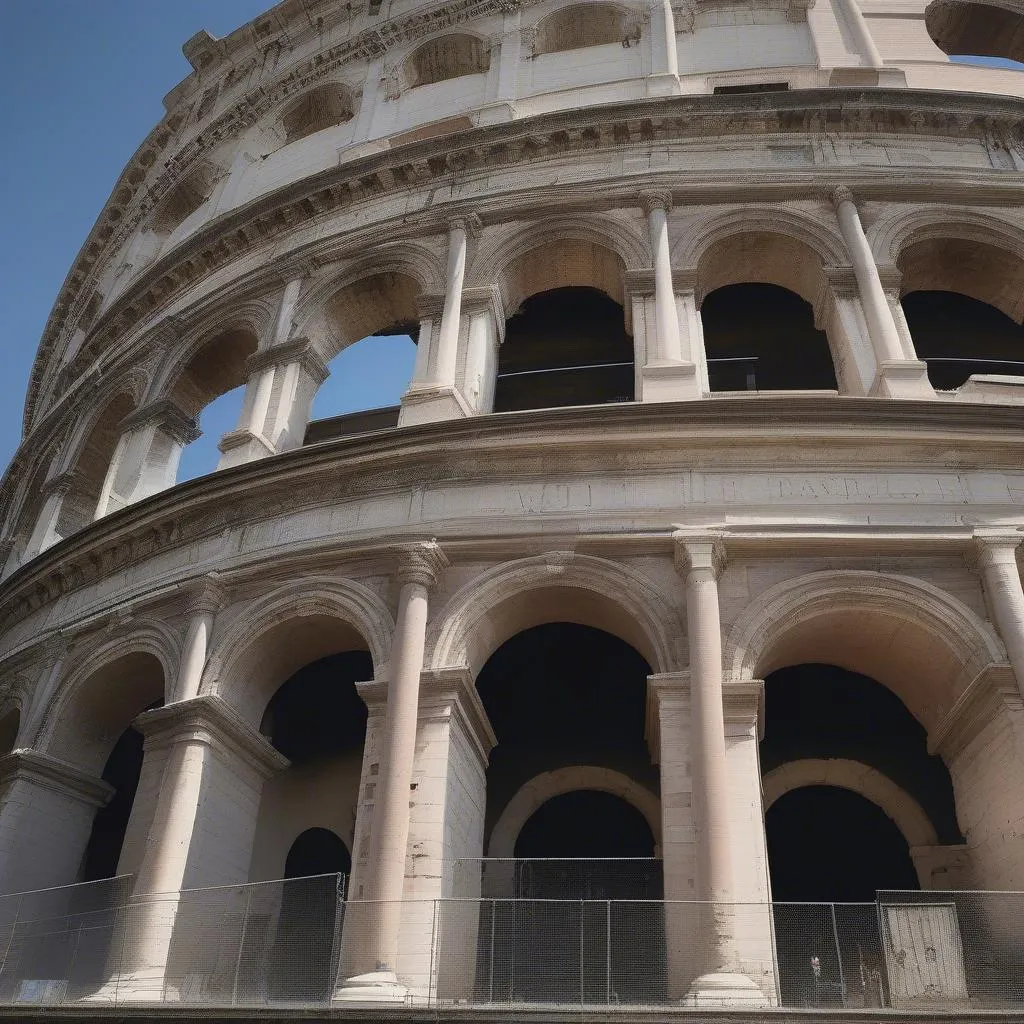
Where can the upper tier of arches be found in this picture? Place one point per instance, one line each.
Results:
(256, 119)
(559, 312)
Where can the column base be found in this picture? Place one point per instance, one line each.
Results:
(374, 987)
(240, 446)
(496, 113)
(902, 378)
(663, 84)
(724, 989)
(670, 382)
(432, 405)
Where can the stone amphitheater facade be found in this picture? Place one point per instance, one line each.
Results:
(333, 171)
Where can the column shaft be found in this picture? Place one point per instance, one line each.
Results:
(866, 47)
(670, 55)
(668, 344)
(998, 561)
(446, 354)
(885, 337)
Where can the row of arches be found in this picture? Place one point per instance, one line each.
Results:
(837, 688)
(768, 319)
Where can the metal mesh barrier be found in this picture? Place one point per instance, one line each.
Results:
(290, 943)
(57, 942)
(958, 949)
(611, 878)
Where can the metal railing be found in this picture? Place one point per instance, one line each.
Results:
(291, 943)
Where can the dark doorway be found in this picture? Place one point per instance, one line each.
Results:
(760, 337)
(958, 336)
(317, 851)
(567, 346)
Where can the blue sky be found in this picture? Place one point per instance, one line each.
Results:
(82, 82)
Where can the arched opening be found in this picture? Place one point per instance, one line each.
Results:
(964, 304)
(210, 390)
(567, 346)
(758, 317)
(79, 506)
(835, 837)
(566, 341)
(569, 697)
(373, 329)
(316, 110)
(444, 58)
(967, 31)
(184, 199)
(306, 823)
(95, 734)
(582, 25)
(760, 337)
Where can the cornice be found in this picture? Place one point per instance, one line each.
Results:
(52, 773)
(761, 433)
(560, 134)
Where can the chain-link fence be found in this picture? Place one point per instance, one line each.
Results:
(608, 878)
(292, 943)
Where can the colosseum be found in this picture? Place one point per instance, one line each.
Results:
(661, 650)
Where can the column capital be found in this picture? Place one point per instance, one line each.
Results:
(60, 484)
(166, 415)
(655, 199)
(52, 773)
(842, 194)
(206, 595)
(468, 222)
(421, 563)
(209, 720)
(699, 551)
(298, 350)
(989, 548)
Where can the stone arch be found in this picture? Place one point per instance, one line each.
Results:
(317, 616)
(779, 247)
(576, 25)
(368, 295)
(994, 28)
(972, 254)
(890, 235)
(895, 629)
(323, 106)
(583, 252)
(111, 683)
(444, 57)
(556, 587)
(544, 787)
(907, 814)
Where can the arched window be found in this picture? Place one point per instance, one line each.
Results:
(313, 111)
(451, 56)
(759, 326)
(184, 199)
(574, 28)
(964, 305)
(566, 341)
(210, 389)
(967, 31)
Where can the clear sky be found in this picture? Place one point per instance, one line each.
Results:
(82, 83)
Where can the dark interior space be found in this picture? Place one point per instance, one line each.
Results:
(760, 337)
(958, 336)
(317, 712)
(824, 711)
(317, 851)
(586, 823)
(122, 771)
(827, 844)
(565, 347)
(563, 694)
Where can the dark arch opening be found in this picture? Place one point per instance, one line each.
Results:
(761, 337)
(958, 336)
(827, 844)
(967, 31)
(317, 712)
(9, 726)
(565, 347)
(317, 851)
(822, 711)
(122, 771)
